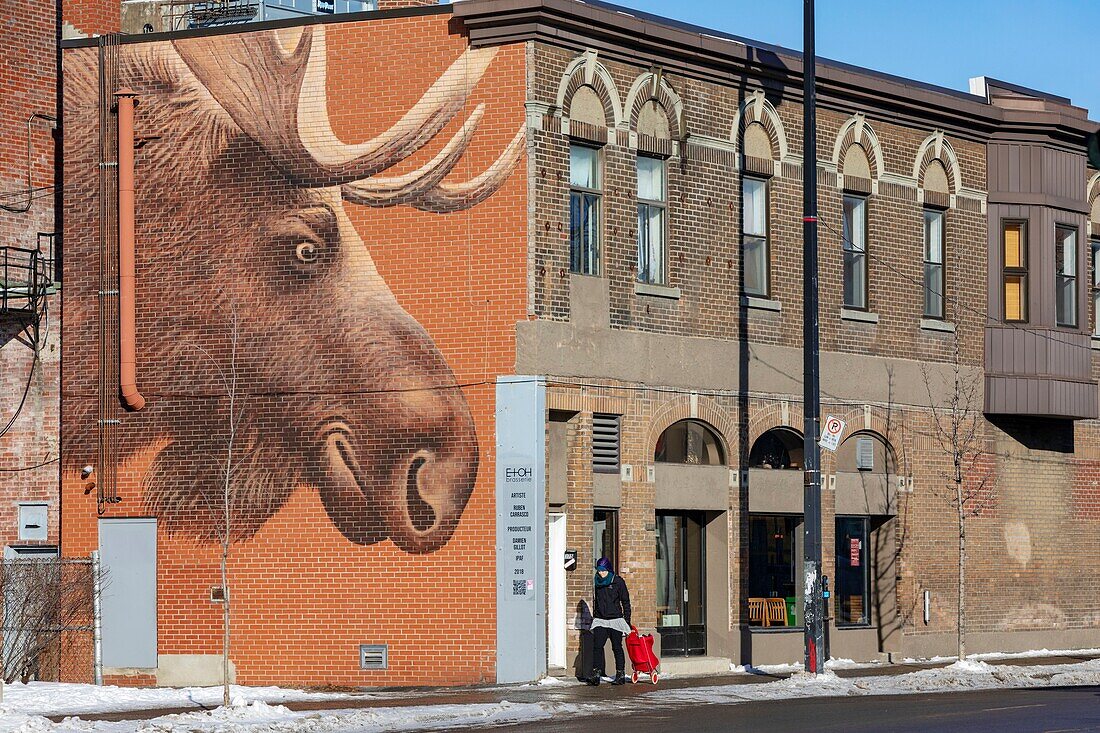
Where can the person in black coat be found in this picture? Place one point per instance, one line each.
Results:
(610, 620)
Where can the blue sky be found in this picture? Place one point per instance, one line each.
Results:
(1050, 45)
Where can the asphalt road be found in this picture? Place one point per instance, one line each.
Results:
(1041, 710)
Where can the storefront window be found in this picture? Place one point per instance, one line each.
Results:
(605, 536)
(852, 597)
(773, 560)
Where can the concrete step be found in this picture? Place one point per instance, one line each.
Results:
(685, 666)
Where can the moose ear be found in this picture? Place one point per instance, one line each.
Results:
(185, 489)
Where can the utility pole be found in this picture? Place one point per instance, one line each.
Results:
(813, 616)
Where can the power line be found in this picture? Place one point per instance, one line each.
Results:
(29, 468)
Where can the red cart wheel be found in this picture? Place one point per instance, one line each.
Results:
(634, 677)
(653, 677)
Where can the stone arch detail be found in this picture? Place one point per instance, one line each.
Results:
(756, 108)
(586, 70)
(769, 417)
(652, 86)
(938, 147)
(706, 410)
(857, 131)
(1094, 199)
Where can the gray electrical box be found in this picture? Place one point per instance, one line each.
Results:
(33, 521)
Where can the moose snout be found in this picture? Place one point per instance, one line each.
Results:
(412, 491)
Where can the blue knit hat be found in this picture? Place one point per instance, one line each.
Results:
(603, 564)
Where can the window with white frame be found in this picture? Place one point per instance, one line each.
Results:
(754, 223)
(584, 210)
(1065, 242)
(651, 220)
(855, 252)
(933, 264)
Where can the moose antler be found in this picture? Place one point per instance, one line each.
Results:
(425, 188)
(447, 197)
(279, 101)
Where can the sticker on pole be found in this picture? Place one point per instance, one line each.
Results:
(831, 432)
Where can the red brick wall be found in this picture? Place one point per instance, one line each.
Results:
(28, 81)
(92, 17)
(322, 341)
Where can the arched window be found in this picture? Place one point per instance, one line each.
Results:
(692, 442)
(778, 448)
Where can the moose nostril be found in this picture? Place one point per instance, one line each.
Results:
(421, 513)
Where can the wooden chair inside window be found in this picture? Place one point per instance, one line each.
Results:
(756, 611)
(775, 612)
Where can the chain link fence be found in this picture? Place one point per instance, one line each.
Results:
(49, 618)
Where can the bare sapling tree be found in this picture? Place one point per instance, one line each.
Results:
(230, 383)
(957, 430)
(43, 599)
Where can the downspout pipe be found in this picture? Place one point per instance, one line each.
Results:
(131, 398)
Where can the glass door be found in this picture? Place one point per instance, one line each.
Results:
(681, 584)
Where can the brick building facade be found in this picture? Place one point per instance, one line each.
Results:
(445, 196)
(29, 317)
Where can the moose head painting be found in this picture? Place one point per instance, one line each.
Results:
(249, 266)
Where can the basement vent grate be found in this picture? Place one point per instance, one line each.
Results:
(374, 656)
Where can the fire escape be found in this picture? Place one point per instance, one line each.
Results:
(26, 280)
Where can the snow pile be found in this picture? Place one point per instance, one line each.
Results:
(259, 717)
(63, 698)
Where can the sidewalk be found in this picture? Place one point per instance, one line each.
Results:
(569, 691)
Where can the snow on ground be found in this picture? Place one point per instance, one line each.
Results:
(999, 656)
(255, 710)
(63, 698)
(960, 676)
(259, 717)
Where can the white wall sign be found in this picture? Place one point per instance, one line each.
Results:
(831, 431)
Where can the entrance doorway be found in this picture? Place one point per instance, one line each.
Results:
(681, 584)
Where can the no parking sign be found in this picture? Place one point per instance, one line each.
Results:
(831, 432)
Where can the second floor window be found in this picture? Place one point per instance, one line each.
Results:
(1014, 276)
(1065, 309)
(584, 210)
(855, 252)
(754, 221)
(933, 264)
(1095, 287)
(651, 220)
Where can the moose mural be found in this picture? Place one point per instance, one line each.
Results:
(241, 219)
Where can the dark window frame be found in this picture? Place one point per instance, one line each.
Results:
(1020, 272)
(942, 213)
(865, 561)
(661, 205)
(767, 237)
(611, 516)
(583, 193)
(861, 253)
(1060, 278)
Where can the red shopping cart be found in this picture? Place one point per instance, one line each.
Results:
(642, 658)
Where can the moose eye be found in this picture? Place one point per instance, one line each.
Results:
(310, 234)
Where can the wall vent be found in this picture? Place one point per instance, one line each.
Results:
(865, 454)
(605, 443)
(374, 656)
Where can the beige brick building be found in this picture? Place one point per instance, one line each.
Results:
(673, 353)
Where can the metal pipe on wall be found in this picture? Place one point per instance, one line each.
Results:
(131, 397)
